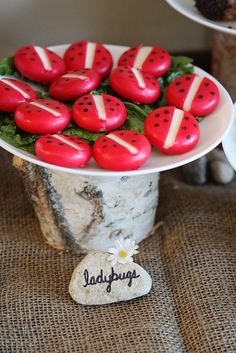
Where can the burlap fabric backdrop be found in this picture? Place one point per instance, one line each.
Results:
(192, 260)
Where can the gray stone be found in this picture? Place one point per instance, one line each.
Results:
(88, 286)
(220, 170)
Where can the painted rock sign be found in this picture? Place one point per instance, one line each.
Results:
(99, 112)
(192, 93)
(74, 83)
(96, 282)
(42, 116)
(88, 55)
(66, 151)
(154, 60)
(172, 130)
(39, 64)
(122, 150)
(135, 85)
(14, 92)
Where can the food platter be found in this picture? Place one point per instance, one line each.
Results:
(187, 8)
(229, 143)
(212, 129)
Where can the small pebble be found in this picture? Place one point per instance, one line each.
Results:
(220, 170)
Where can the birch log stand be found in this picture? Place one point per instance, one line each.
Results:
(82, 213)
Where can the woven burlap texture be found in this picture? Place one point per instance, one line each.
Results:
(192, 260)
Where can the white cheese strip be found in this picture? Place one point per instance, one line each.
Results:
(141, 57)
(99, 103)
(50, 110)
(139, 77)
(81, 77)
(192, 92)
(90, 53)
(43, 57)
(123, 143)
(174, 128)
(66, 142)
(18, 89)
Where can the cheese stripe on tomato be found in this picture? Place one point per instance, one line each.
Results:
(50, 110)
(139, 77)
(90, 53)
(141, 56)
(13, 85)
(43, 57)
(66, 142)
(123, 143)
(81, 77)
(174, 128)
(99, 104)
(192, 92)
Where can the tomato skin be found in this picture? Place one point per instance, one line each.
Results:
(51, 150)
(123, 82)
(37, 120)
(112, 156)
(29, 64)
(66, 89)
(85, 113)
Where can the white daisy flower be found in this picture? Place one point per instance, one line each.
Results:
(123, 251)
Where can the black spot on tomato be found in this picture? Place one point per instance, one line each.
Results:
(48, 141)
(186, 118)
(112, 109)
(81, 103)
(54, 61)
(165, 120)
(212, 93)
(98, 63)
(184, 128)
(7, 89)
(188, 78)
(182, 90)
(114, 145)
(85, 110)
(61, 143)
(188, 137)
(108, 100)
(72, 59)
(177, 83)
(117, 104)
(151, 60)
(157, 115)
(133, 141)
(90, 103)
(200, 96)
(156, 125)
(39, 111)
(166, 111)
(206, 84)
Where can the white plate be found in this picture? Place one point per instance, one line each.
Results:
(212, 130)
(229, 143)
(187, 8)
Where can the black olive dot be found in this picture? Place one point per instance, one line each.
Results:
(27, 48)
(200, 96)
(54, 61)
(66, 79)
(104, 140)
(61, 143)
(133, 141)
(184, 128)
(104, 58)
(121, 134)
(188, 137)
(121, 70)
(47, 104)
(48, 141)
(165, 120)
(98, 50)
(98, 63)
(108, 99)
(206, 84)
(71, 138)
(186, 118)
(28, 111)
(157, 115)
(166, 111)
(114, 145)
(39, 111)
(85, 110)
(195, 125)
(23, 54)
(135, 134)
(85, 97)
(57, 107)
(151, 60)
(124, 60)
(156, 125)
(131, 56)
(27, 89)
(112, 109)
(177, 83)
(187, 78)
(81, 103)
(90, 103)
(212, 93)
(26, 106)
(182, 90)
(7, 89)
(131, 76)
(154, 52)
(72, 48)
(117, 104)
(80, 45)
(72, 59)
(147, 78)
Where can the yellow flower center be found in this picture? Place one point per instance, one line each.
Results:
(122, 254)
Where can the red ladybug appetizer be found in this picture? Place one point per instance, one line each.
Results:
(74, 83)
(42, 116)
(122, 150)
(99, 112)
(38, 64)
(172, 130)
(14, 92)
(135, 85)
(66, 151)
(88, 55)
(194, 94)
(154, 60)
